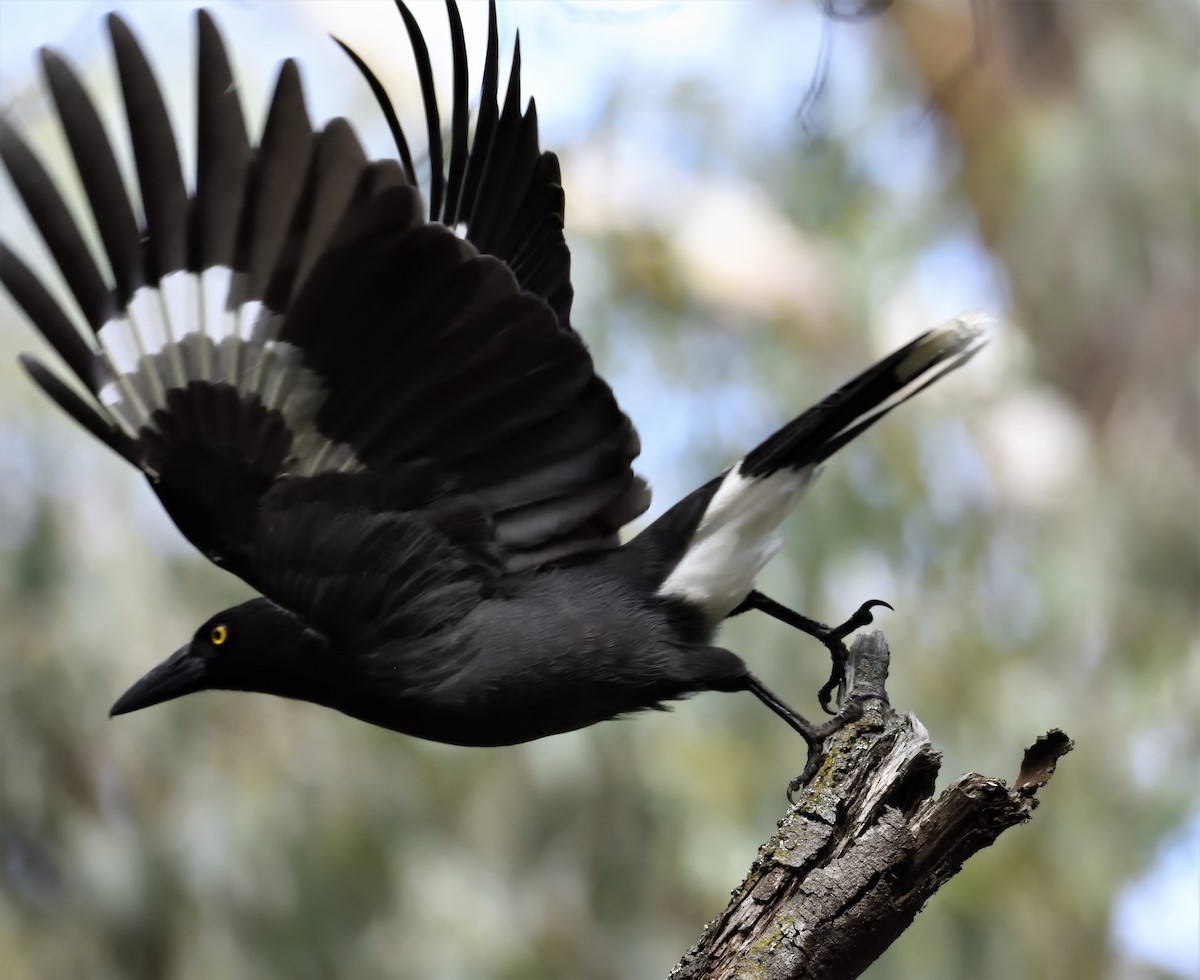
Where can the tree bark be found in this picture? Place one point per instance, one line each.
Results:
(864, 847)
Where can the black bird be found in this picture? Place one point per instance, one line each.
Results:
(385, 422)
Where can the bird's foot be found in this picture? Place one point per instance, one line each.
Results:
(852, 710)
(833, 638)
(814, 735)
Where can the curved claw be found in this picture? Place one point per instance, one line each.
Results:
(834, 641)
(862, 617)
(833, 638)
(825, 695)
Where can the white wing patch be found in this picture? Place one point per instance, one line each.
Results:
(736, 537)
(195, 327)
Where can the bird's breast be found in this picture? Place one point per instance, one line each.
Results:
(563, 653)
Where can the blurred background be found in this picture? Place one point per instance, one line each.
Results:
(762, 198)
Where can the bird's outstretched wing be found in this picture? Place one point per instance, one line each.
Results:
(293, 329)
(505, 194)
(367, 557)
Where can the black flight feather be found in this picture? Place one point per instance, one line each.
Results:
(164, 195)
(83, 413)
(222, 153)
(389, 112)
(460, 118)
(488, 209)
(276, 182)
(100, 175)
(437, 179)
(338, 165)
(53, 324)
(485, 120)
(505, 193)
(58, 229)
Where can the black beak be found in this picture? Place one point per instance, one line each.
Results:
(181, 673)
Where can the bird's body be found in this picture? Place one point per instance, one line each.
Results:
(557, 650)
(387, 425)
(608, 651)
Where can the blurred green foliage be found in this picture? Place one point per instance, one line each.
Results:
(1034, 522)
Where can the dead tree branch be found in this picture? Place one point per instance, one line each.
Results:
(864, 848)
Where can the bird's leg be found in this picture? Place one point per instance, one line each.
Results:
(813, 735)
(833, 637)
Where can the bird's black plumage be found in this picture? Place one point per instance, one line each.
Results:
(385, 422)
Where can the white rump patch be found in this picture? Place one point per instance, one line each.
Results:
(736, 538)
(196, 328)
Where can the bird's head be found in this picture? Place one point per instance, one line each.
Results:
(256, 646)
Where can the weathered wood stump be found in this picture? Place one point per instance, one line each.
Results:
(864, 847)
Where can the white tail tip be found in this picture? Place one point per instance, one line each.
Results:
(959, 338)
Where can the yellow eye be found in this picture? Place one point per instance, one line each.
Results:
(219, 635)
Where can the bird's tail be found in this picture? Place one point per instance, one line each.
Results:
(822, 430)
(713, 544)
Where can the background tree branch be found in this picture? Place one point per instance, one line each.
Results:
(866, 845)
